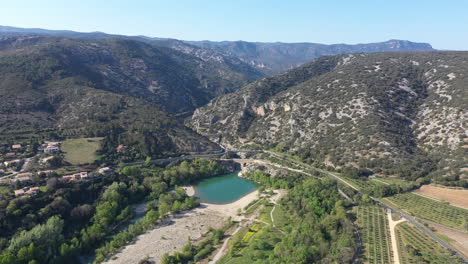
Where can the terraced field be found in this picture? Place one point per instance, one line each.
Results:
(431, 210)
(375, 234)
(416, 247)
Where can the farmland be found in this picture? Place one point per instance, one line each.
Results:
(431, 210)
(374, 229)
(81, 150)
(417, 247)
(453, 196)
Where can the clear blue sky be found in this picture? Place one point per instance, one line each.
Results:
(444, 24)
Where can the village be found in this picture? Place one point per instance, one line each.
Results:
(28, 169)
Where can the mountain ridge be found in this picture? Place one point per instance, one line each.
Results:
(389, 110)
(266, 57)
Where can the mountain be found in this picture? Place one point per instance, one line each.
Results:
(174, 81)
(394, 113)
(264, 58)
(274, 58)
(125, 88)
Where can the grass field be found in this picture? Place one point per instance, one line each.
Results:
(375, 234)
(416, 247)
(359, 183)
(251, 245)
(81, 150)
(256, 242)
(431, 210)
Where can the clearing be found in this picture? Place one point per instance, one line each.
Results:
(81, 150)
(454, 196)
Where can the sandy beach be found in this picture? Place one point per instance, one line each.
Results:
(172, 234)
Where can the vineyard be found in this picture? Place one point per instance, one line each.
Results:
(374, 229)
(431, 210)
(416, 247)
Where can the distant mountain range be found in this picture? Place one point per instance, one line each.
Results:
(268, 58)
(396, 113)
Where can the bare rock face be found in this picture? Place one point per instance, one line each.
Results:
(354, 110)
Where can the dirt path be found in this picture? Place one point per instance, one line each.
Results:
(392, 224)
(271, 215)
(222, 250)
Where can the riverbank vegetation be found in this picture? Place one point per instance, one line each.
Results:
(72, 220)
(313, 221)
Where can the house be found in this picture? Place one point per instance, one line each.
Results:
(16, 146)
(27, 191)
(105, 170)
(51, 149)
(22, 177)
(46, 172)
(76, 176)
(10, 154)
(11, 162)
(121, 148)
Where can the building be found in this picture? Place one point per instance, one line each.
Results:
(76, 176)
(51, 149)
(16, 146)
(10, 154)
(121, 148)
(22, 177)
(12, 162)
(46, 172)
(27, 191)
(105, 170)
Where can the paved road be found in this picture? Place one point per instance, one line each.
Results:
(407, 217)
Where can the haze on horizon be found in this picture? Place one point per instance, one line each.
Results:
(441, 24)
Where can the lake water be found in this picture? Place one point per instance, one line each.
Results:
(224, 189)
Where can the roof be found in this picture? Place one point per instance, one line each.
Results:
(16, 146)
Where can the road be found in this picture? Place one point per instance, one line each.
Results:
(407, 217)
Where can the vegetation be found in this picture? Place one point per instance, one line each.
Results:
(81, 150)
(416, 247)
(192, 253)
(315, 224)
(69, 220)
(375, 234)
(432, 210)
(350, 111)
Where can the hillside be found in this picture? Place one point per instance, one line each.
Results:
(394, 113)
(274, 58)
(174, 81)
(121, 88)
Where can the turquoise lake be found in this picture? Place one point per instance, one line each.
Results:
(224, 189)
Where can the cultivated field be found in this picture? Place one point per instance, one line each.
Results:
(417, 247)
(375, 234)
(431, 210)
(81, 150)
(453, 196)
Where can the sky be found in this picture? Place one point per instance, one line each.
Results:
(444, 24)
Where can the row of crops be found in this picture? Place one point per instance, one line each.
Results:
(417, 247)
(431, 210)
(375, 234)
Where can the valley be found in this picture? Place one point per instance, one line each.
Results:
(120, 149)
